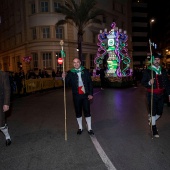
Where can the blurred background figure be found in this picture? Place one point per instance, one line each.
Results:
(135, 76)
(5, 92)
(102, 77)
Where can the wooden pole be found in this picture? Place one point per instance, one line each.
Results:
(150, 45)
(65, 110)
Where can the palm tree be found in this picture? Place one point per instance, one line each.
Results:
(80, 15)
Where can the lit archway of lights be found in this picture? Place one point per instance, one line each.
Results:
(114, 43)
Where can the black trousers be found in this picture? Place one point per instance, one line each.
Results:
(103, 82)
(158, 104)
(81, 103)
(2, 115)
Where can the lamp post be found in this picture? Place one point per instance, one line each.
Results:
(151, 22)
(150, 36)
(167, 53)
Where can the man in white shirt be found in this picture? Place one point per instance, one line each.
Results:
(82, 88)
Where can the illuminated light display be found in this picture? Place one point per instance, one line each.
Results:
(114, 44)
(27, 59)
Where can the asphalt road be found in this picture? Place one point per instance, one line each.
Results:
(122, 138)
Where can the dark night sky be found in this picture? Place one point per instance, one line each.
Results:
(158, 11)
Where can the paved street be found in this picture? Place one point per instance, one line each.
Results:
(122, 138)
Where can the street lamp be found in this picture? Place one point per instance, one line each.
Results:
(152, 20)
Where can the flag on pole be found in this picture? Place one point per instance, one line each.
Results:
(63, 54)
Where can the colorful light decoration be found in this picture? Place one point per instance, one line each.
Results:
(27, 59)
(114, 43)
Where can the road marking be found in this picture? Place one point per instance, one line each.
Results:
(102, 154)
(96, 93)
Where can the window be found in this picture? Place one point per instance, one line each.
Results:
(56, 6)
(92, 56)
(44, 6)
(47, 60)
(34, 35)
(46, 32)
(35, 60)
(59, 32)
(33, 8)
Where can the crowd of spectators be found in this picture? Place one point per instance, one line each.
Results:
(16, 79)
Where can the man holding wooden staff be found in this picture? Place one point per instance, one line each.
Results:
(155, 79)
(82, 88)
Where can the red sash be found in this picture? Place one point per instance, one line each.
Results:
(80, 90)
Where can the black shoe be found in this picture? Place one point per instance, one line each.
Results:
(90, 132)
(155, 131)
(79, 132)
(8, 142)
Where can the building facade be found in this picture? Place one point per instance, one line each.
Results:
(28, 31)
(140, 36)
(166, 36)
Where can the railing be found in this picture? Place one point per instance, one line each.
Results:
(33, 85)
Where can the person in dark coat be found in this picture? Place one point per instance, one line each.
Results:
(160, 84)
(80, 80)
(102, 77)
(135, 76)
(5, 92)
(53, 73)
(19, 84)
